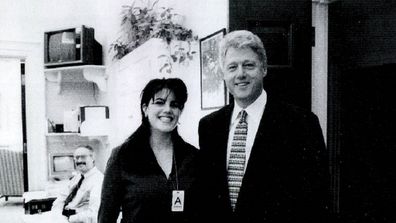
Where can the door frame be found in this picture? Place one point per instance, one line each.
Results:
(32, 54)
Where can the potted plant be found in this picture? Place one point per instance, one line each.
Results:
(139, 24)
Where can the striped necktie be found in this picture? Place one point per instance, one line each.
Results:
(237, 160)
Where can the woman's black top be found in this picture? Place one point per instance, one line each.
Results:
(136, 184)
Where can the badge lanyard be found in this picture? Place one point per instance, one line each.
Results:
(177, 195)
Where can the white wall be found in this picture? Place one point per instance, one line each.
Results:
(26, 21)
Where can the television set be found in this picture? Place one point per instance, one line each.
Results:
(71, 46)
(61, 166)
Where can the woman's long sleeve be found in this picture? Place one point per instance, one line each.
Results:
(111, 197)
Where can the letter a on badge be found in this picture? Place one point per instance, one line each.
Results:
(177, 200)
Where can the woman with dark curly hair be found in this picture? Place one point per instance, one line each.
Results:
(149, 177)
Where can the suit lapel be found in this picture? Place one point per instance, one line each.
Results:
(259, 158)
(224, 123)
(224, 119)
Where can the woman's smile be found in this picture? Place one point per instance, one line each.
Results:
(163, 111)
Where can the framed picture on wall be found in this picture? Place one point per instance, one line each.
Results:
(213, 89)
(277, 37)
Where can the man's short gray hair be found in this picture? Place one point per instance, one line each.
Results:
(88, 147)
(240, 39)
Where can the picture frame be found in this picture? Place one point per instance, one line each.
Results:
(213, 89)
(277, 37)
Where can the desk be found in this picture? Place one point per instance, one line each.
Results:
(37, 202)
(37, 206)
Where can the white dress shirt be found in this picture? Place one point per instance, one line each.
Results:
(87, 200)
(254, 113)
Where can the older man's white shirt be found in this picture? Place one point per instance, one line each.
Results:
(87, 200)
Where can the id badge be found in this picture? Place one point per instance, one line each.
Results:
(177, 200)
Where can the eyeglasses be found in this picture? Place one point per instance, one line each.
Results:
(81, 157)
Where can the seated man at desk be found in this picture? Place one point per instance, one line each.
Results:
(80, 200)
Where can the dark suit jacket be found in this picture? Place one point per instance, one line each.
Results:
(287, 175)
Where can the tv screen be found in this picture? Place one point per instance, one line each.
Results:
(62, 47)
(61, 165)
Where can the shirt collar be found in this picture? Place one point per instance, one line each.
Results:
(90, 172)
(254, 110)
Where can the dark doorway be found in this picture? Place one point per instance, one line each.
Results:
(24, 135)
(285, 27)
(368, 117)
(361, 122)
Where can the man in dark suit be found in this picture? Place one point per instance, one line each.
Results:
(260, 160)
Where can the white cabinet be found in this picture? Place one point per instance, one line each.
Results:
(66, 90)
(86, 73)
(69, 88)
